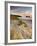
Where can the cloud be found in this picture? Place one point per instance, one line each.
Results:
(27, 13)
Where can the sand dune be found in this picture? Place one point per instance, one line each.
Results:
(23, 33)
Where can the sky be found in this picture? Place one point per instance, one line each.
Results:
(20, 9)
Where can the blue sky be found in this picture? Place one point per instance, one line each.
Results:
(21, 9)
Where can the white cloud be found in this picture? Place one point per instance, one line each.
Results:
(27, 13)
